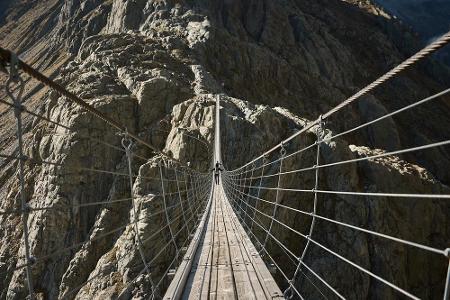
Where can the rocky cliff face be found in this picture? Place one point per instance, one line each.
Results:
(156, 66)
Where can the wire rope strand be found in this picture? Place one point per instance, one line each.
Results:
(127, 145)
(181, 202)
(313, 213)
(165, 208)
(277, 197)
(437, 44)
(15, 78)
(399, 240)
(379, 278)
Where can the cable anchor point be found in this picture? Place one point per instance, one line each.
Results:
(447, 253)
(126, 142)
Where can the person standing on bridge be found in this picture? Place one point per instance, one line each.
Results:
(217, 169)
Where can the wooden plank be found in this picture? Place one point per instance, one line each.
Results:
(261, 279)
(226, 286)
(215, 245)
(176, 287)
(225, 282)
(247, 289)
(247, 283)
(227, 265)
(197, 284)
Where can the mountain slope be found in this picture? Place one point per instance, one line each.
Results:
(156, 65)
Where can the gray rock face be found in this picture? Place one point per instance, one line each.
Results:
(157, 66)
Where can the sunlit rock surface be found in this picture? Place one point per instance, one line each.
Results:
(158, 66)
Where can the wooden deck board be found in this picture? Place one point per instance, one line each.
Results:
(246, 279)
(227, 265)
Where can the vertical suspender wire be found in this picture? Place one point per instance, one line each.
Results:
(447, 282)
(127, 145)
(277, 196)
(235, 193)
(208, 188)
(186, 178)
(198, 193)
(237, 178)
(166, 213)
(231, 181)
(241, 186)
(313, 213)
(181, 202)
(249, 190)
(194, 194)
(242, 182)
(194, 189)
(205, 190)
(264, 160)
(14, 77)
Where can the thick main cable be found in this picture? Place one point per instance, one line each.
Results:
(437, 44)
(5, 56)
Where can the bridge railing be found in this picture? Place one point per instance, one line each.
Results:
(281, 199)
(155, 199)
(179, 206)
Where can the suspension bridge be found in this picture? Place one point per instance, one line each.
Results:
(219, 227)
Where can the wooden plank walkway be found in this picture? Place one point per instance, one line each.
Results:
(225, 264)
(221, 261)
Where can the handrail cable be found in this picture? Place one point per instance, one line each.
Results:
(53, 253)
(126, 255)
(46, 162)
(289, 254)
(335, 254)
(5, 56)
(81, 136)
(161, 251)
(327, 139)
(417, 245)
(428, 50)
(292, 259)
